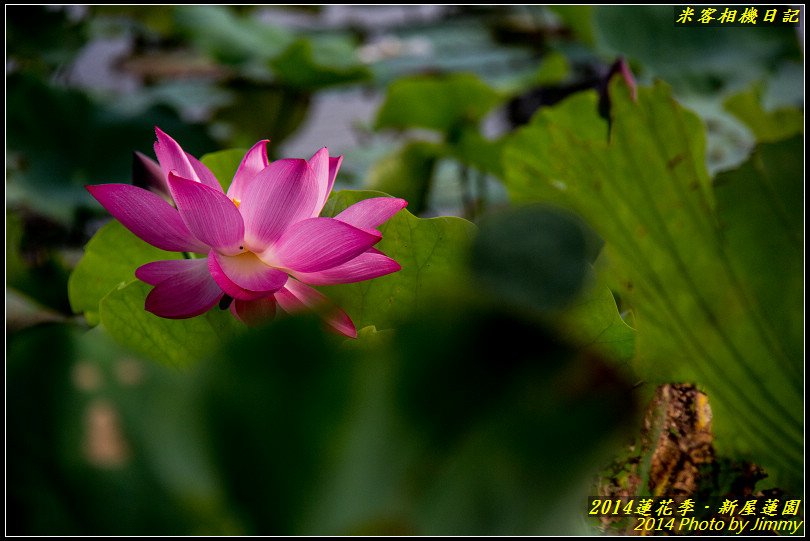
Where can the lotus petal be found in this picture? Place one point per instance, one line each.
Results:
(254, 161)
(317, 244)
(249, 272)
(148, 216)
(187, 294)
(368, 265)
(209, 214)
(254, 312)
(371, 213)
(280, 195)
(296, 297)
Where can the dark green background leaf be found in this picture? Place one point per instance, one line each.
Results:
(692, 59)
(533, 257)
(230, 37)
(93, 144)
(441, 103)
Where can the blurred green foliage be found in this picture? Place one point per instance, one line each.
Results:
(454, 106)
(692, 59)
(444, 104)
(408, 173)
(542, 272)
(61, 139)
(285, 431)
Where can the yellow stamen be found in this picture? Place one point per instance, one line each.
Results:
(236, 201)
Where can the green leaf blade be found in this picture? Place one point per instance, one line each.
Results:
(174, 342)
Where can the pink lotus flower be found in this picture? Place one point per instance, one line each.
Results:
(263, 241)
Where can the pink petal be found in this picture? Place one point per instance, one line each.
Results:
(368, 265)
(296, 297)
(157, 271)
(322, 165)
(249, 272)
(146, 173)
(371, 213)
(227, 285)
(334, 167)
(148, 216)
(317, 244)
(188, 293)
(254, 312)
(172, 157)
(627, 75)
(280, 195)
(203, 173)
(254, 161)
(209, 214)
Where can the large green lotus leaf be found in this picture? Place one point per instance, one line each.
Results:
(175, 342)
(441, 103)
(594, 322)
(709, 307)
(109, 261)
(760, 212)
(430, 251)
